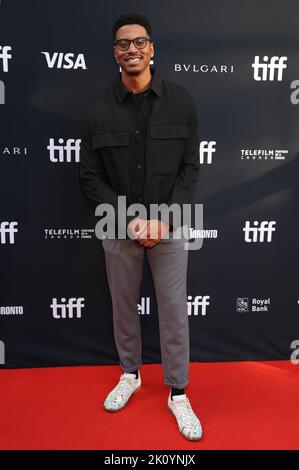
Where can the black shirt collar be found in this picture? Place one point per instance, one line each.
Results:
(122, 91)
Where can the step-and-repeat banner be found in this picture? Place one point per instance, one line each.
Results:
(239, 60)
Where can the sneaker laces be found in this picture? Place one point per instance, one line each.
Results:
(124, 386)
(187, 415)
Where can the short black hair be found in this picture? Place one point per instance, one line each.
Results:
(131, 18)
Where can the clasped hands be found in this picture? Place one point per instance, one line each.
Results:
(148, 232)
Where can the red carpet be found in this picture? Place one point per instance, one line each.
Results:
(242, 405)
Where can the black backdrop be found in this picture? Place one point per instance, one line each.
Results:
(49, 254)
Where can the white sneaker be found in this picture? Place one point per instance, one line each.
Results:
(188, 423)
(119, 396)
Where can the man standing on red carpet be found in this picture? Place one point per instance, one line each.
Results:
(141, 141)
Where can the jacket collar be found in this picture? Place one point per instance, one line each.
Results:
(121, 90)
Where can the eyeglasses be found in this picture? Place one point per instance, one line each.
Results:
(139, 43)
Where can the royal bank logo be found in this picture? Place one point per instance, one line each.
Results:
(204, 68)
(262, 154)
(67, 308)
(64, 152)
(12, 310)
(244, 304)
(197, 305)
(61, 60)
(5, 56)
(68, 233)
(259, 232)
(206, 150)
(269, 68)
(144, 307)
(7, 232)
(13, 152)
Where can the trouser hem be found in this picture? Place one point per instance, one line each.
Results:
(130, 369)
(176, 385)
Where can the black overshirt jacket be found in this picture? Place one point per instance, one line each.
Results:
(143, 147)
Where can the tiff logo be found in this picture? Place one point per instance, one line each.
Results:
(4, 56)
(67, 309)
(2, 92)
(201, 301)
(65, 61)
(2, 352)
(8, 229)
(268, 69)
(206, 149)
(258, 232)
(64, 153)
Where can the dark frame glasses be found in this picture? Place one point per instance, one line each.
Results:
(139, 43)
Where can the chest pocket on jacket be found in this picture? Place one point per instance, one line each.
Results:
(168, 143)
(116, 139)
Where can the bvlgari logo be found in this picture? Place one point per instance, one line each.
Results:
(10, 151)
(204, 68)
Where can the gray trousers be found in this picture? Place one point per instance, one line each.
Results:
(168, 264)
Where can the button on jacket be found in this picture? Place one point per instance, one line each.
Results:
(147, 151)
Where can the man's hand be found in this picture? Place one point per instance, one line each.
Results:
(136, 226)
(151, 233)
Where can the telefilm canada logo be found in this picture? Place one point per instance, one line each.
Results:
(245, 304)
(68, 233)
(263, 154)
